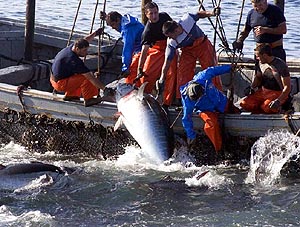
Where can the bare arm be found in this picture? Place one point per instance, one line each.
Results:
(165, 69)
(90, 76)
(204, 14)
(90, 37)
(286, 82)
(243, 35)
(143, 57)
(256, 80)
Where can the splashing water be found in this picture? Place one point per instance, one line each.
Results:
(135, 160)
(31, 218)
(269, 154)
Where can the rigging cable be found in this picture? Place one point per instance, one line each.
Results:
(214, 2)
(235, 58)
(101, 36)
(221, 36)
(74, 22)
(93, 21)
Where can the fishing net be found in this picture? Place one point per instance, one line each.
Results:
(41, 133)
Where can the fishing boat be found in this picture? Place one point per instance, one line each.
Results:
(38, 98)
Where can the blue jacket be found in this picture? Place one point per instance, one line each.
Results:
(131, 31)
(211, 100)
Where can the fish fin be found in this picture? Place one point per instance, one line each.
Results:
(202, 174)
(118, 123)
(140, 94)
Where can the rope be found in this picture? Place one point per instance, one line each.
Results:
(94, 16)
(221, 36)
(101, 36)
(240, 19)
(92, 25)
(172, 125)
(74, 22)
(235, 59)
(214, 2)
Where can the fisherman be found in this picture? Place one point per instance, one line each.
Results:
(268, 24)
(131, 31)
(194, 44)
(200, 95)
(272, 81)
(153, 53)
(70, 74)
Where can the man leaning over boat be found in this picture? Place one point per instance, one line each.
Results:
(272, 83)
(70, 74)
(200, 95)
(131, 31)
(194, 45)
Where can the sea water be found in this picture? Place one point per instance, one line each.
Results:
(130, 191)
(62, 13)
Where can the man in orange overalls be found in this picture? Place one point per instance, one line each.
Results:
(152, 56)
(70, 75)
(272, 81)
(194, 45)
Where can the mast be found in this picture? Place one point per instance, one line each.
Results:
(29, 29)
(144, 18)
(280, 4)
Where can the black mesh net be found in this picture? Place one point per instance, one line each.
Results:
(41, 133)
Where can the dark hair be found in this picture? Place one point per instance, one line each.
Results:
(264, 49)
(169, 26)
(151, 5)
(113, 16)
(81, 43)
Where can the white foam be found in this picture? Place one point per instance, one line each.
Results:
(31, 218)
(269, 154)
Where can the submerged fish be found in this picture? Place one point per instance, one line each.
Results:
(145, 120)
(33, 167)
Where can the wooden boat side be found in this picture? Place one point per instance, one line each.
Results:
(46, 103)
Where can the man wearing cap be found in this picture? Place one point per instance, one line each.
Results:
(201, 96)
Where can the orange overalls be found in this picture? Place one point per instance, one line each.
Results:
(203, 50)
(75, 86)
(152, 69)
(259, 101)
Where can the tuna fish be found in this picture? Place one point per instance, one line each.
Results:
(146, 121)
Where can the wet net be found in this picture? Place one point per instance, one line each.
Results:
(41, 133)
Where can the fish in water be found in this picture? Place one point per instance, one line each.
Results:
(33, 167)
(145, 120)
(27, 176)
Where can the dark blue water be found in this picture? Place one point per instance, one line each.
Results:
(131, 191)
(61, 13)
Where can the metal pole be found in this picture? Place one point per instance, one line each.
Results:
(29, 29)
(280, 4)
(144, 18)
